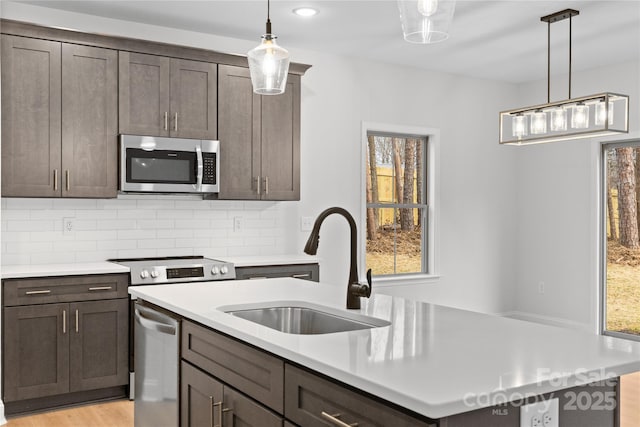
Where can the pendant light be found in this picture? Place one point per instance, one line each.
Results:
(574, 118)
(268, 64)
(426, 21)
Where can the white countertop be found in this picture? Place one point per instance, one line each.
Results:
(262, 260)
(72, 269)
(434, 360)
(46, 270)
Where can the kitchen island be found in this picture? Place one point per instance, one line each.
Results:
(432, 361)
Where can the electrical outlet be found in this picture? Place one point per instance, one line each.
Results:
(541, 288)
(540, 414)
(68, 225)
(306, 223)
(238, 224)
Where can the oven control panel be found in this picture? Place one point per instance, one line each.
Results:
(148, 274)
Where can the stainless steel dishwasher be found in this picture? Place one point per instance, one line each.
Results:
(156, 366)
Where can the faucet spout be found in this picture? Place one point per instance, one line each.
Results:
(355, 289)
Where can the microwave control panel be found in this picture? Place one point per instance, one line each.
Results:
(209, 168)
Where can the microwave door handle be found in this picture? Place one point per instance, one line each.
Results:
(200, 169)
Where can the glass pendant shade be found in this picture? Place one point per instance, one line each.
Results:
(538, 123)
(603, 111)
(519, 126)
(558, 119)
(426, 21)
(580, 117)
(268, 65)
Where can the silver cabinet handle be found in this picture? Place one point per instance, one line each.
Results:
(77, 322)
(259, 184)
(301, 276)
(266, 185)
(176, 123)
(166, 120)
(334, 419)
(55, 180)
(213, 406)
(101, 288)
(38, 292)
(67, 179)
(64, 321)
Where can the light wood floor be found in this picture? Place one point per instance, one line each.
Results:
(111, 414)
(120, 413)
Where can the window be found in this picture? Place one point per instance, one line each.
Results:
(396, 204)
(621, 248)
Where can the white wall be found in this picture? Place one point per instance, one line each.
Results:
(477, 176)
(557, 208)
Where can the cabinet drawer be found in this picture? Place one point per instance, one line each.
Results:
(63, 289)
(308, 396)
(251, 371)
(299, 271)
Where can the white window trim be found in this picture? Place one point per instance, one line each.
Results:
(433, 202)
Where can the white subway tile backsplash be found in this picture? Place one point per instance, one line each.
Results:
(18, 203)
(156, 243)
(116, 224)
(30, 247)
(115, 245)
(136, 234)
(192, 223)
(22, 225)
(138, 226)
(75, 203)
(175, 233)
(192, 243)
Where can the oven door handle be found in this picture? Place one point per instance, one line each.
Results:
(151, 319)
(200, 168)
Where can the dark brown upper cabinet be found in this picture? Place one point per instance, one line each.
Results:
(162, 96)
(59, 119)
(259, 138)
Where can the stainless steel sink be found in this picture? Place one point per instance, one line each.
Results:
(305, 320)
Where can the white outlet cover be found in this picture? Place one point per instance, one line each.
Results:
(544, 413)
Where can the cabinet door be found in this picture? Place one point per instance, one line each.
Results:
(200, 398)
(239, 134)
(281, 143)
(99, 344)
(89, 121)
(242, 411)
(36, 351)
(194, 87)
(144, 94)
(31, 105)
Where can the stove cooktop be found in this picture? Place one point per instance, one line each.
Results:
(156, 271)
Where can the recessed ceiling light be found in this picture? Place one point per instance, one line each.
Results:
(305, 11)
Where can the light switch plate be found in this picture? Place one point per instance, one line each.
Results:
(540, 414)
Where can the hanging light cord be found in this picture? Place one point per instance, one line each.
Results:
(268, 19)
(549, 63)
(570, 21)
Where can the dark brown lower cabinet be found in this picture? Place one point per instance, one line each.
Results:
(57, 349)
(36, 351)
(205, 401)
(98, 345)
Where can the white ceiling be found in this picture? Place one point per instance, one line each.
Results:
(498, 40)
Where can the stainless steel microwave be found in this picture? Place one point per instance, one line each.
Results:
(150, 164)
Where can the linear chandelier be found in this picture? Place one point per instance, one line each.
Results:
(574, 118)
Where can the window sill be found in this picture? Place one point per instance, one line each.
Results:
(405, 280)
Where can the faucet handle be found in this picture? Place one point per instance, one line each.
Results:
(367, 291)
